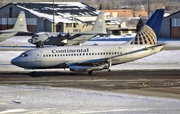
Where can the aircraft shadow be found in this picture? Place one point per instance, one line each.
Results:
(54, 73)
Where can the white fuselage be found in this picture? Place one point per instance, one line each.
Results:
(60, 57)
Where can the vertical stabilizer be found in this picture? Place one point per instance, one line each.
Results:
(100, 25)
(150, 31)
(20, 24)
(155, 21)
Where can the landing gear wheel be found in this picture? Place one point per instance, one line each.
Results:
(91, 72)
(37, 46)
(109, 70)
(40, 45)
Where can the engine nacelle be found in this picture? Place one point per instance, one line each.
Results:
(64, 41)
(79, 68)
(38, 37)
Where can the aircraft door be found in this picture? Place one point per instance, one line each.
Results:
(38, 56)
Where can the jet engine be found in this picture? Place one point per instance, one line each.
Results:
(80, 68)
(38, 39)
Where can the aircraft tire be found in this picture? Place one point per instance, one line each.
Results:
(91, 72)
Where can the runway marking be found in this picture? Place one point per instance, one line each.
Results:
(3, 103)
(126, 110)
(144, 83)
(12, 111)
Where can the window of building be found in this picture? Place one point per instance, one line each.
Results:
(68, 25)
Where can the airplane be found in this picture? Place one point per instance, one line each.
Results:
(20, 26)
(42, 38)
(93, 58)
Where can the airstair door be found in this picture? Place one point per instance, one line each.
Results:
(38, 56)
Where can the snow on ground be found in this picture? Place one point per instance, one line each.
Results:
(38, 99)
(162, 60)
(17, 41)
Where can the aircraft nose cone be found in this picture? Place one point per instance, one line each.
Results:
(14, 61)
(20, 62)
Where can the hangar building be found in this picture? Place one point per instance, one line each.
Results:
(170, 27)
(68, 16)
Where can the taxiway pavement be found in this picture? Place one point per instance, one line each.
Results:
(162, 83)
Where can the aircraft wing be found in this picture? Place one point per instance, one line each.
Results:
(84, 36)
(79, 39)
(94, 62)
(139, 50)
(6, 35)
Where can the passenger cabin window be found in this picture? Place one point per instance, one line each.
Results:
(77, 54)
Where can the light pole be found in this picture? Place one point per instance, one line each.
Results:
(53, 15)
(148, 7)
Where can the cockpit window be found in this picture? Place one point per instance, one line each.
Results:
(24, 55)
(35, 36)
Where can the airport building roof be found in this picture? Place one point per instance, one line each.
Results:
(63, 11)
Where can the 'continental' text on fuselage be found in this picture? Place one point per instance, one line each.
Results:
(70, 50)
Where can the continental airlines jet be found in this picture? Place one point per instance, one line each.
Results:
(92, 58)
(20, 26)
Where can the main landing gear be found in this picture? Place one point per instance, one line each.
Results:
(40, 45)
(91, 72)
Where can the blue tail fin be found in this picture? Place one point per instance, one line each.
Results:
(150, 31)
(155, 21)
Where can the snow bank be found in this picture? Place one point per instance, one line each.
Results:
(38, 99)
